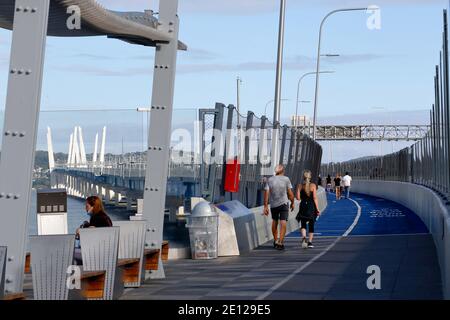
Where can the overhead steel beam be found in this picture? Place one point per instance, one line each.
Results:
(371, 132)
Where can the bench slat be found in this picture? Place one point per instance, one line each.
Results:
(93, 284)
(151, 259)
(165, 251)
(14, 296)
(125, 262)
(28, 263)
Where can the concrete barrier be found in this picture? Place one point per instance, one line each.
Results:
(242, 230)
(427, 205)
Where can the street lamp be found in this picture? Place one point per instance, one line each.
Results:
(277, 104)
(268, 103)
(238, 97)
(318, 60)
(298, 87)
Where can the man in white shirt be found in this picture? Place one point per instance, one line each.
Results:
(347, 181)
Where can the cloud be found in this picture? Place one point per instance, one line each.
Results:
(191, 54)
(200, 54)
(291, 63)
(343, 58)
(97, 57)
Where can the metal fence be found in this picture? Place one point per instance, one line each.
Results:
(216, 136)
(249, 139)
(426, 162)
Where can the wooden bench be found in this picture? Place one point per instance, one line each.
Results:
(131, 249)
(93, 284)
(14, 297)
(28, 263)
(130, 270)
(151, 256)
(99, 251)
(50, 258)
(151, 259)
(165, 251)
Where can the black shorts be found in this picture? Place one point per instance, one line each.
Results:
(280, 213)
(310, 222)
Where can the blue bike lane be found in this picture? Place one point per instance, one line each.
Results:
(366, 215)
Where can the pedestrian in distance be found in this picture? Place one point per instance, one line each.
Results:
(329, 186)
(278, 193)
(347, 181)
(308, 211)
(337, 186)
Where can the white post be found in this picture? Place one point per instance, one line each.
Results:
(69, 157)
(51, 158)
(102, 149)
(83, 159)
(94, 157)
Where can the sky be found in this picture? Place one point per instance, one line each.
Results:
(390, 69)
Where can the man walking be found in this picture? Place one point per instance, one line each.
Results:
(347, 180)
(278, 190)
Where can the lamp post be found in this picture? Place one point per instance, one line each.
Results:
(238, 98)
(318, 60)
(299, 83)
(279, 73)
(269, 102)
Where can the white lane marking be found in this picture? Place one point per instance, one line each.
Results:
(293, 274)
(355, 222)
(310, 262)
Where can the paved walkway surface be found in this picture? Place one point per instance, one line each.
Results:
(378, 232)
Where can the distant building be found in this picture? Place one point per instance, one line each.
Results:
(300, 121)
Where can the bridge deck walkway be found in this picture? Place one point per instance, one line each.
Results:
(352, 235)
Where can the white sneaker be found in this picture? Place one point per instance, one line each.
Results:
(304, 243)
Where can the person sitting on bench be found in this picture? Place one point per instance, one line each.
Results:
(98, 219)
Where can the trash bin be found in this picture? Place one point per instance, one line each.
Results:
(203, 225)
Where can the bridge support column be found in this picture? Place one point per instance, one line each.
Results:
(67, 183)
(84, 188)
(160, 130)
(108, 196)
(117, 198)
(129, 203)
(20, 132)
(53, 180)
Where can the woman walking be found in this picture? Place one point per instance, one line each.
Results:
(337, 186)
(308, 212)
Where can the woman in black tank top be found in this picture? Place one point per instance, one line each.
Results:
(309, 208)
